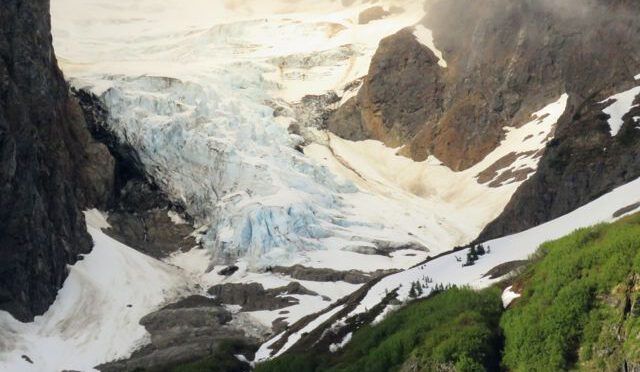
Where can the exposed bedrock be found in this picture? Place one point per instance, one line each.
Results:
(314, 274)
(140, 214)
(188, 330)
(506, 60)
(50, 167)
(253, 296)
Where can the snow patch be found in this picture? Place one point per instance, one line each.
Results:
(95, 316)
(96, 219)
(508, 296)
(345, 340)
(623, 103)
(425, 37)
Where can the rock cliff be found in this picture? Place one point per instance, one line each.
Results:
(50, 167)
(504, 61)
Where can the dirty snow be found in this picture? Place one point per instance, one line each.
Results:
(447, 270)
(94, 318)
(426, 202)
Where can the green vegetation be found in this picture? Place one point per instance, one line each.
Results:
(579, 300)
(456, 328)
(579, 310)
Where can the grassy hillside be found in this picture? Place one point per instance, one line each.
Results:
(580, 303)
(580, 310)
(455, 329)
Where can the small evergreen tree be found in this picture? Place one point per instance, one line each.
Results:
(412, 291)
(480, 250)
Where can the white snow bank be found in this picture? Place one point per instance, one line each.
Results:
(191, 89)
(508, 296)
(447, 270)
(426, 202)
(425, 37)
(623, 103)
(95, 316)
(345, 340)
(295, 337)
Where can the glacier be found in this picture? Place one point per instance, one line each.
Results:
(194, 95)
(206, 95)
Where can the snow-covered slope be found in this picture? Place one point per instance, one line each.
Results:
(95, 317)
(448, 269)
(192, 89)
(509, 248)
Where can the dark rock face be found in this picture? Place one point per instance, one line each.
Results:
(188, 330)
(313, 274)
(580, 164)
(50, 168)
(253, 296)
(138, 209)
(505, 61)
(395, 99)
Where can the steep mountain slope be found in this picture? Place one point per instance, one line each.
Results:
(504, 60)
(49, 165)
(327, 156)
(372, 302)
(575, 308)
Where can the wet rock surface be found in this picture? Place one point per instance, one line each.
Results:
(253, 296)
(50, 167)
(188, 330)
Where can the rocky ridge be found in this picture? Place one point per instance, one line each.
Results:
(505, 60)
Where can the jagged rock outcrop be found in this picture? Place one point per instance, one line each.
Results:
(50, 167)
(506, 60)
(315, 274)
(188, 330)
(253, 296)
(584, 160)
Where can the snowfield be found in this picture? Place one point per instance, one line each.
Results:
(506, 249)
(95, 316)
(447, 270)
